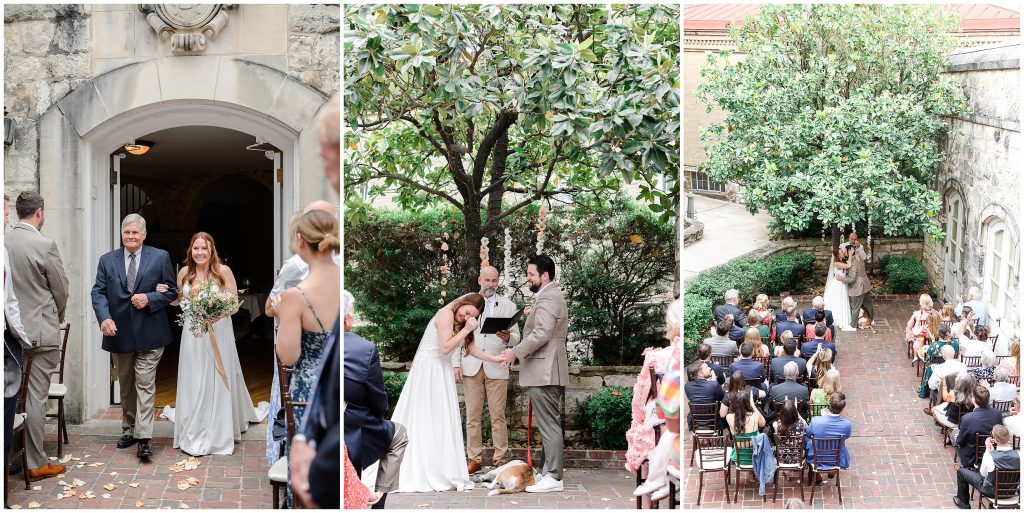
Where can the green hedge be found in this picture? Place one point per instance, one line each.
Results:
(906, 274)
(782, 272)
(606, 416)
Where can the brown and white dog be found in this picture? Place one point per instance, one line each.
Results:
(511, 477)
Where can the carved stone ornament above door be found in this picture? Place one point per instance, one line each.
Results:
(188, 27)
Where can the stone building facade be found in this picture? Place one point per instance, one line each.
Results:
(81, 81)
(980, 185)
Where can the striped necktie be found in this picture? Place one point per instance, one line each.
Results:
(132, 269)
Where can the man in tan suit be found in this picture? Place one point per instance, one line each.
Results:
(860, 286)
(42, 290)
(544, 366)
(492, 382)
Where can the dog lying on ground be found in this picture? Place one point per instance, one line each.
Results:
(511, 477)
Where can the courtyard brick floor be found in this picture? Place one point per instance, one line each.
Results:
(897, 458)
(235, 481)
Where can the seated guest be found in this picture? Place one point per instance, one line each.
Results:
(754, 337)
(1013, 421)
(965, 328)
(704, 355)
(933, 357)
(818, 306)
(744, 419)
(950, 365)
(788, 421)
(736, 332)
(753, 321)
(976, 303)
(787, 302)
(720, 343)
(819, 363)
(985, 373)
(828, 386)
(830, 424)
(789, 389)
(1012, 364)
(809, 328)
(999, 455)
(975, 346)
(1001, 390)
(981, 420)
(917, 326)
(701, 388)
(731, 307)
(751, 369)
(789, 355)
(791, 323)
(811, 346)
(958, 399)
(947, 314)
(737, 385)
(764, 314)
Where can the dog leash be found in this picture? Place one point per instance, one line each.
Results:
(529, 430)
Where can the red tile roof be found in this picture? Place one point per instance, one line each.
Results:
(973, 17)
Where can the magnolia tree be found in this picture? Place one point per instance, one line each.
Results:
(834, 114)
(491, 108)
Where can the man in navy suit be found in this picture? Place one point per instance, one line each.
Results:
(701, 388)
(831, 425)
(133, 319)
(368, 435)
(704, 355)
(789, 355)
(980, 421)
(811, 346)
(791, 324)
(817, 305)
(751, 369)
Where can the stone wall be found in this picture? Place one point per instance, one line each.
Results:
(313, 45)
(583, 382)
(897, 246)
(983, 156)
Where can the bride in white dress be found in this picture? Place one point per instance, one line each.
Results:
(209, 417)
(837, 296)
(435, 457)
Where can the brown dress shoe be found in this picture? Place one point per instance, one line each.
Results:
(473, 467)
(499, 463)
(48, 470)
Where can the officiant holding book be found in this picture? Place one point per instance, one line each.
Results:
(485, 379)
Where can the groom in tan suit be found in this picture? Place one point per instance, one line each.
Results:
(41, 287)
(860, 286)
(544, 367)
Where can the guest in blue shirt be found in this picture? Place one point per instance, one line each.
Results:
(830, 424)
(811, 346)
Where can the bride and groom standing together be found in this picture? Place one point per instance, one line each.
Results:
(848, 287)
(427, 412)
(134, 286)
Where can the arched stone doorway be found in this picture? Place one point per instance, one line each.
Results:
(79, 134)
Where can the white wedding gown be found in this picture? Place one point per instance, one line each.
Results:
(209, 417)
(837, 297)
(435, 457)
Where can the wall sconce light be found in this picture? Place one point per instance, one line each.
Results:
(139, 148)
(8, 129)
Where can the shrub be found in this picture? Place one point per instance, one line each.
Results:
(697, 315)
(606, 416)
(393, 385)
(689, 351)
(906, 274)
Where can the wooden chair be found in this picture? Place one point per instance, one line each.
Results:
(947, 324)
(1003, 357)
(979, 448)
(743, 446)
(1015, 379)
(723, 361)
(1003, 406)
(714, 455)
(642, 472)
(994, 339)
(947, 431)
(19, 432)
(278, 473)
(766, 364)
(826, 459)
(971, 361)
(705, 423)
(755, 382)
(1005, 490)
(791, 454)
(816, 409)
(673, 490)
(1015, 441)
(58, 391)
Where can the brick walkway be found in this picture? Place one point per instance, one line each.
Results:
(236, 481)
(584, 489)
(897, 458)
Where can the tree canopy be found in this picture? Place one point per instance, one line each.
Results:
(834, 113)
(493, 107)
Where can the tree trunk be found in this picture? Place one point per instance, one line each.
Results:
(471, 266)
(498, 160)
(836, 237)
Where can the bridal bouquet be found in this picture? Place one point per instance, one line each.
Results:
(204, 304)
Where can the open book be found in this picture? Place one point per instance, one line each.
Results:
(493, 325)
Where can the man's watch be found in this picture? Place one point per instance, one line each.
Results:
(299, 437)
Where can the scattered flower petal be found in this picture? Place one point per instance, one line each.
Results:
(134, 485)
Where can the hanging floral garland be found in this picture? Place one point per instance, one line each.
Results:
(445, 270)
(484, 252)
(508, 263)
(542, 224)
(869, 229)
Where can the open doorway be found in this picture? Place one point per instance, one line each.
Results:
(217, 180)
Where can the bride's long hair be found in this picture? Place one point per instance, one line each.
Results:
(477, 301)
(835, 255)
(215, 262)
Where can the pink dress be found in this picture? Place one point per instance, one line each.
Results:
(357, 495)
(640, 436)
